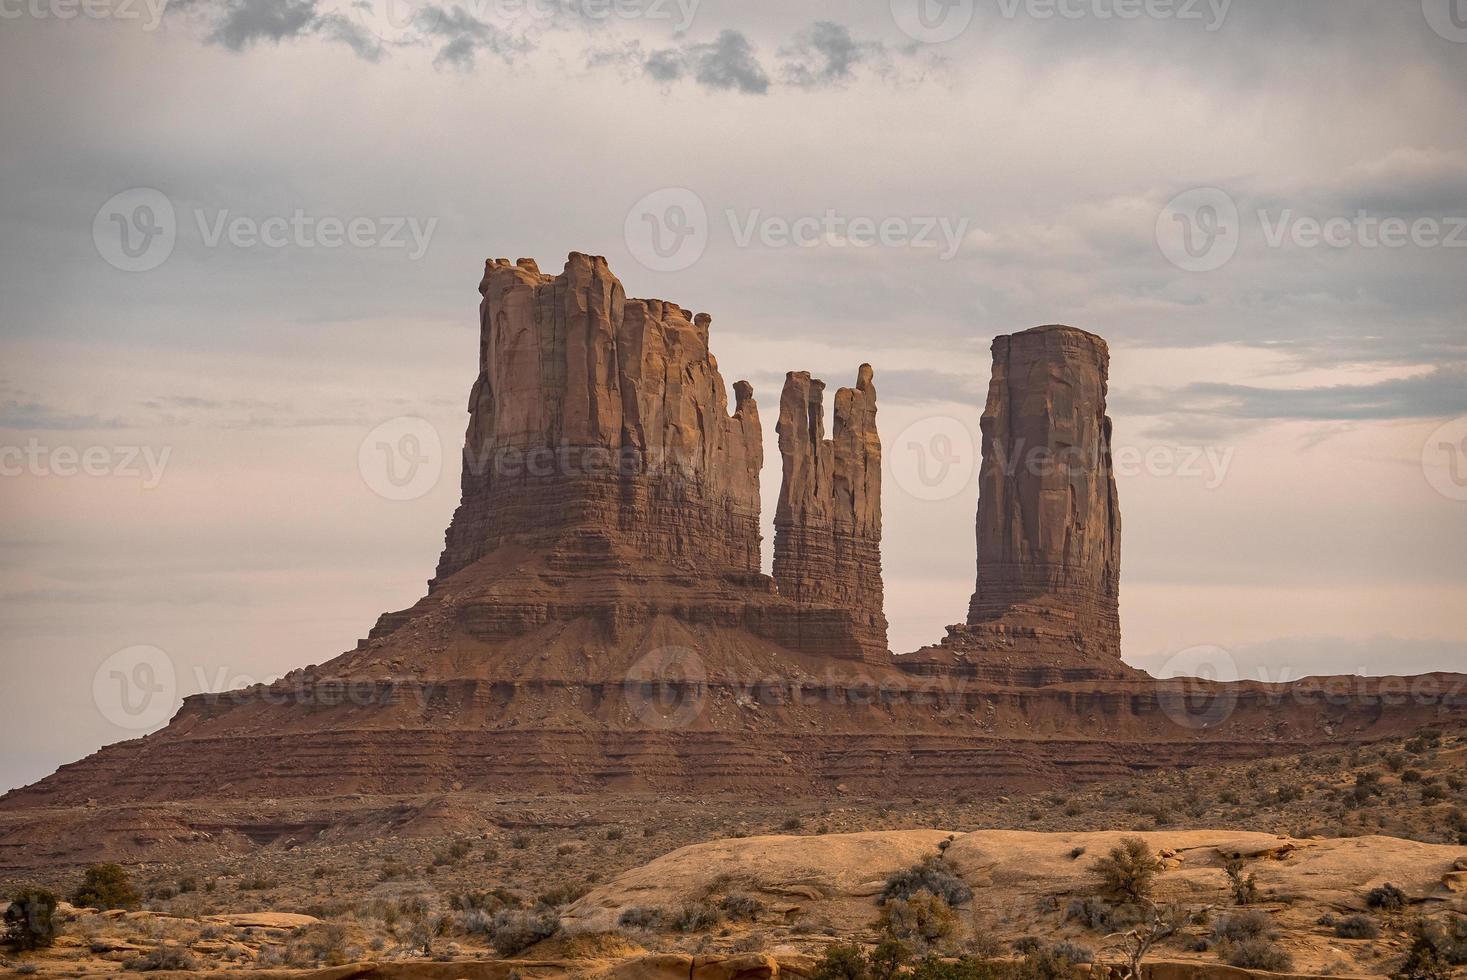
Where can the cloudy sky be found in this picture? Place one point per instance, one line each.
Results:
(239, 236)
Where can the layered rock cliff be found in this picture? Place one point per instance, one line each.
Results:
(827, 527)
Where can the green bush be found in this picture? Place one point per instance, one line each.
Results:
(847, 961)
(1128, 873)
(30, 919)
(1243, 884)
(106, 886)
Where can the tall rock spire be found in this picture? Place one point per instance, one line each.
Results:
(827, 528)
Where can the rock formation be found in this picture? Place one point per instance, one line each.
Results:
(599, 620)
(827, 528)
(597, 421)
(1049, 526)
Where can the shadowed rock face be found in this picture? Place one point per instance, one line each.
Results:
(827, 527)
(1049, 527)
(599, 421)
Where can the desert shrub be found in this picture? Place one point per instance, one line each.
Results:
(515, 930)
(30, 919)
(931, 876)
(325, 943)
(1243, 884)
(923, 921)
(737, 906)
(1412, 776)
(490, 901)
(1090, 912)
(1433, 793)
(697, 917)
(1260, 953)
(793, 823)
(1357, 927)
(967, 968)
(1072, 952)
(1044, 964)
(1028, 945)
(520, 841)
(1076, 853)
(163, 958)
(615, 833)
(640, 917)
(847, 961)
(1387, 898)
(1237, 926)
(106, 886)
(563, 894)
(1128, 872)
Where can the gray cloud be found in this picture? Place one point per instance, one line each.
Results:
(1441, 393)
(826, 54)
(728, 63)
(468, 37)
(245, 22)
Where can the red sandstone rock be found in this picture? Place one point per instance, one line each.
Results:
(827, 528)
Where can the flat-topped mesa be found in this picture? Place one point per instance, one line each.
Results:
(1049, 526)
(598, 425)
(827, 528)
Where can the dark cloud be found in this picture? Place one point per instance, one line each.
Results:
(728, 63)
(826, 54)
(246, 21)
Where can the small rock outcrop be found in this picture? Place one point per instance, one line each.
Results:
(827, 527)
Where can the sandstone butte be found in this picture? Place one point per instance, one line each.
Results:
(599, 620)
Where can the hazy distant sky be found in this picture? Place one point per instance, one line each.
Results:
(1304, 506)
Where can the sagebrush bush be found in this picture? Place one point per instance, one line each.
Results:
(164, 958)
(1260, 953)
(1357, 927)
(515, 930)
(1237, 926)
(1073, 952)
(923, 921)
(737, 906)
(931, 876)
(697, 917)
(640, 917)
(1387, 898)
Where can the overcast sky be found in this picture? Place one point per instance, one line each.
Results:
(241, 235)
